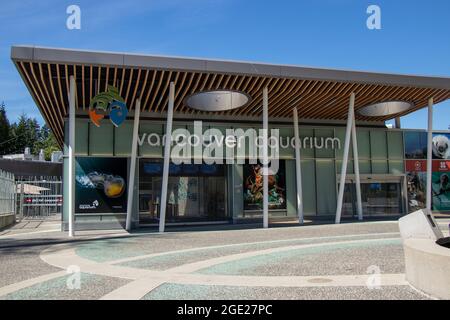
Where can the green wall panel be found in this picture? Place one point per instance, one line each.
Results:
(363, 138)
(238, 190)
(325, 187)
(101, 140)
(320, 136)
(396, 167)
(306, 153)
(291, 194)
(146, 150)
(123, 136)
(378, 144)
(365, 167)
(309, 187)
(81, 137)
(285, 138)
(380, 166)
(395, 144)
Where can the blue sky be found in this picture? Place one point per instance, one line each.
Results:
(414, 39)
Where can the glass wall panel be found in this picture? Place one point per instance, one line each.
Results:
(325, 187)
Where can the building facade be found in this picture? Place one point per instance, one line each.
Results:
(122, 168)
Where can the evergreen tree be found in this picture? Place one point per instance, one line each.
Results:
(5, 131)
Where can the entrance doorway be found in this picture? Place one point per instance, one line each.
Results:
(195, 193)
(381, 195)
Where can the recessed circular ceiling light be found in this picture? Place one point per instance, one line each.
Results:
(218, 100)
(386, 108)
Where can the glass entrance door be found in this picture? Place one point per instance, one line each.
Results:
(381, 196)
(195, 193)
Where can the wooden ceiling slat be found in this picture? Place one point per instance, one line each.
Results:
(282, 91)
(58, 107)
(42, 106)
(45, 93)
(130, 81)
(180, 101)
(136, 86)
(99, 80)
(144, 84)
(343, 94)
(45, 104)
(164, 96)
(292, 98)
(91, 76)
(192, 90)
(107, 78)
(149, 91)
(160, 80)
(271, 89)
(257, 97)
(286, 110)
(315, 99)
(61, 96)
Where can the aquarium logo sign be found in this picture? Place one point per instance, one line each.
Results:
(108, 103)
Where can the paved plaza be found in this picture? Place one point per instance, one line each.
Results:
(347, 261)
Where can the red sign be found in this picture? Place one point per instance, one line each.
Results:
(416, 165)
(441, 166)
(421, 166)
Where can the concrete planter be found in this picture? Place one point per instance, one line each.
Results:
(428, 267)
(7, 220)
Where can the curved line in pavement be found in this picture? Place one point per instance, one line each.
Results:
(144, 281)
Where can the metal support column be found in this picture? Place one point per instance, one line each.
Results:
(168, 140)
(429, 195)
(71, 157)
(265, 158)
(345, 159)
(356, 169)
(298, 168)
(134, 144)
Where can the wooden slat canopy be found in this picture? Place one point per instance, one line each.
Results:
(317, 93)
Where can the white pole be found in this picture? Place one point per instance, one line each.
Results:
(265, 158)
(345, 159)
(165, 179)
(356, 169)
(134, 140)
(71, 178)
(298, 168)
(429, 195)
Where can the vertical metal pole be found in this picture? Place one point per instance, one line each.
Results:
(71, 158)
(134, 143)
(298, 168)
(265, 158)
(345, 159)
(165, 179)
(429, 196)
(21, 200)
(356, 168)
(398, 124)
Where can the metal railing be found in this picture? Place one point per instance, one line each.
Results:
(39, 198)
(7, 193)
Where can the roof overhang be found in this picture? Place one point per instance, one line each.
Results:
(317, 93)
